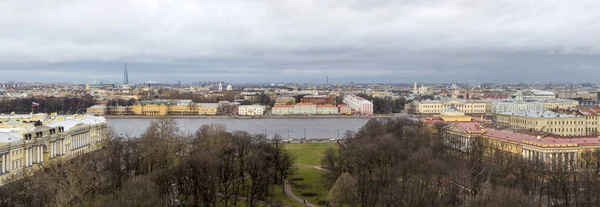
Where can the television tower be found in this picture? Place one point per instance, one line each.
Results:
(125, 75)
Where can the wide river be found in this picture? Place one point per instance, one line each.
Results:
(292, 128)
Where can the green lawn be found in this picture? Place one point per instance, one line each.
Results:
(313, 183)
(278, 195)
(309, 154)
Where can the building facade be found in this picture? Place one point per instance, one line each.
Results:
(554, 151)
(344, 109)
(174, 107)
(438, 106)
(33, 146)
(251, 110)
(319, 99)
(359, 104)
(304, 109)
(283, 110)
(327, 110)
(551, 122)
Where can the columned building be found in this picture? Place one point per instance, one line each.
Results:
(30, 146)
(438, 106)
(553, 150)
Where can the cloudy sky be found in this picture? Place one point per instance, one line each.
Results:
(368, 41)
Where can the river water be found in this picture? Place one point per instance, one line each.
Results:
(292, 128)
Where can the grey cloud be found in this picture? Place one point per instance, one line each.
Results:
(287, 40)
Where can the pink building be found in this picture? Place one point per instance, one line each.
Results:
(359, 104)
(344, 109)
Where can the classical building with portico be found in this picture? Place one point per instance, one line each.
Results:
(438, 106)
(31, 145)
(552, 149)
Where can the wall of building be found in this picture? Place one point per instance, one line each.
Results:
(46, 145)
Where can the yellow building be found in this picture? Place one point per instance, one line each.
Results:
(174, 107)
(97, 110)
(454, 115)
(553, 104)
(438, 106)
(551, 122)
(30, 147)
(553, 150)
(24, 118)
(100, 110)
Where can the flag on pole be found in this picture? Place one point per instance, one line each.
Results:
(34, 104)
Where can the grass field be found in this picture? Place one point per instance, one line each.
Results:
(313, 183)
(278, 195)
(309, 154)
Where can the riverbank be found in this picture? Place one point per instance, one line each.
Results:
(250, 117)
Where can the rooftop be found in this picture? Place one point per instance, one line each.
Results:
(540, 114)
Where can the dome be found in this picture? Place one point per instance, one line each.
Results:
(452, 112)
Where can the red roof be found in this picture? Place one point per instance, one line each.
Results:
(326, 106)
(283, 106)
(508, 136)
(469, 127)
(595, 140)
(433, 120)
(305, 104)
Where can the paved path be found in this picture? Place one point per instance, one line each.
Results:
(290, 193)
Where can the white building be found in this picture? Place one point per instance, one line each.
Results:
(359, 104)
(536, 95)
(251, 110)
(305, 108)
(516, 105)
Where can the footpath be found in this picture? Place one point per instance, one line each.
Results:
(290, 193)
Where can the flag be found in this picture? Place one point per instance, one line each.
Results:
(34, 104)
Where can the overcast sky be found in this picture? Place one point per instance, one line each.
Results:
(400, 41)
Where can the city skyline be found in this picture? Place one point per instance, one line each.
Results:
(291, 41)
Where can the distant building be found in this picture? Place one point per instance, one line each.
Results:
(438, 106)
(304, 109)
(454, 115)
(101, 110)
(174, 107)
(538, 95)
(251, 110)
(283, 110)
(515, 106)
(551, 122)
(319, 99)
(285, 100)
(125, 76)
(229, 88)
(327, 110)
(344, 109)
(359, 104)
